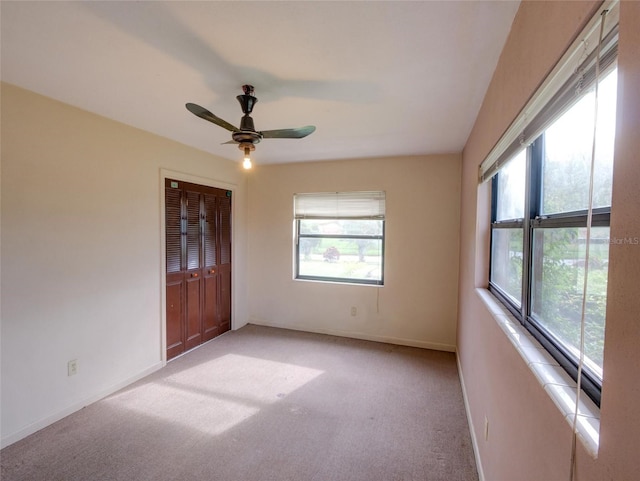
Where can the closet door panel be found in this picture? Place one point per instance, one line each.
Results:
(210, 241)
(224, 270)
(175, 314)
(194, 311)
(210, 310)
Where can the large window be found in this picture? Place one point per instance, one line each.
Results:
(339, 237)
(539, 231)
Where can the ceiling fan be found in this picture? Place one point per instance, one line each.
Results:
(247, 136)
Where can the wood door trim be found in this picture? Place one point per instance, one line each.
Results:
(195, 179)
(193, 335)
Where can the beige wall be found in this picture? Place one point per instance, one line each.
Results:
(529, 439)
(82, 254)
(417, 305)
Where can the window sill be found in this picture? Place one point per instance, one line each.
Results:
(340, 283)
(560, 387)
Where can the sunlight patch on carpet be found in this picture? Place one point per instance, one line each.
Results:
(217, 395)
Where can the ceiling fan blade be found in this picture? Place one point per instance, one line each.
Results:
(288, 133)
(229, 142)
(205, 114)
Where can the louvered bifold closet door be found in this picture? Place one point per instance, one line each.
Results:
(224, 219)
(210, 306)
(198, 259)
(174, 261)
(194, 270)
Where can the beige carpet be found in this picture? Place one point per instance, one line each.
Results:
(267, 404)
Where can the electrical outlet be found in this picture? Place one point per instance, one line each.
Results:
(354, 311)
(486, 429)
(72, 367)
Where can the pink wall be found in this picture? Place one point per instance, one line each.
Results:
(529, 439)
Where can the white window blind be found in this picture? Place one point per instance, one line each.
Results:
(340, 205)
(572, 76)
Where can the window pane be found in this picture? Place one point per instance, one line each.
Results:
(341, 258)
(340, 227)
(567, 158)
(557, 284)
(511, 184)
(506, 262)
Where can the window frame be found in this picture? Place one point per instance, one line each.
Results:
(328, 207)
(591, 54)
(535, 219)
(346, 280)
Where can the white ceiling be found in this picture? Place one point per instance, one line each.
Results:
(377, 78)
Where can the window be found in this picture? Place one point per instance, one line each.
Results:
(507, 246)
(339, 237)
(539, 231)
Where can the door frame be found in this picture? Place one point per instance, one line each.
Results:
(194, 179)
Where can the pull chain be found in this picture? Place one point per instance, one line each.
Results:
(572, 472)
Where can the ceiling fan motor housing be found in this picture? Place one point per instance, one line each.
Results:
(247, 132)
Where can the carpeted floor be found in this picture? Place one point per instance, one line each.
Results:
(264, 404)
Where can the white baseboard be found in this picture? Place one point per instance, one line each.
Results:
(358, 335)
(474, 440)
(43, 423)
